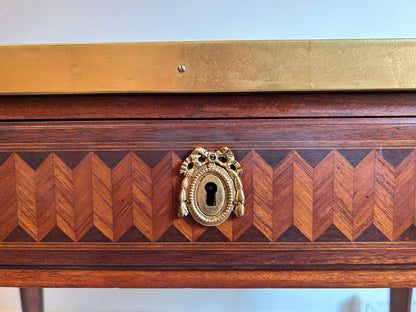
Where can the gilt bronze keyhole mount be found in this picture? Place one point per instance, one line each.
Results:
(211, 188)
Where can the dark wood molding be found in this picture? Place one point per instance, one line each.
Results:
(212, 278)
(215, 105)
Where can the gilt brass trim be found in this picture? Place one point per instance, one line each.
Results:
(220, 166)
(216, 66)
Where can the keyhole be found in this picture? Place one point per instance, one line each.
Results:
(210, 190)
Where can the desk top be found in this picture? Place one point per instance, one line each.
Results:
(90, 183)
(222, 66)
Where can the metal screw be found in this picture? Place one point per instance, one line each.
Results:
(181, 68)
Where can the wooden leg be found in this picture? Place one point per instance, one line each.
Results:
(32, 299)
(400, 299)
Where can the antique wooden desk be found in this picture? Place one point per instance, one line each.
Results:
(92, 138)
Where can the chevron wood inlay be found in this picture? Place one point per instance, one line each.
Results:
(404, 196)
(133, 202)
(55, 197)
(163, 211)
(132, 196)
(226, 228)
(302, 195)
(323, 191)
(93, 199)
(25, 196)
(17, 197)
(142, 196)
(384, 181)
(363, 211)
(283, 199)
(333, 195)
(343, 194)
(262, 196)
(257, 178)
(8, 215)
(293, 195)
(164, 203)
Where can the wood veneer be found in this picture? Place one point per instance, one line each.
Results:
(89, 187)
(212, 105)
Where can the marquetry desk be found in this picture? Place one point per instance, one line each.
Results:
(92, 139)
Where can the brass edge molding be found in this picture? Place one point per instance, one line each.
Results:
(212, 66)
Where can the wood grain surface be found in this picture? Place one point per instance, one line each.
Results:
(200, 105)
(324, 193)
(289, 278)
(308, 194)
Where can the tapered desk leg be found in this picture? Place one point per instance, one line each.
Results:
(400, 299)
(32, 299)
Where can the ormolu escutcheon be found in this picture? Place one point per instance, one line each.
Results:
(211, 188)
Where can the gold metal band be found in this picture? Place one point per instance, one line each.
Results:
(227, 66)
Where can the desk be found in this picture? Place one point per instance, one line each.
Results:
(90, 180)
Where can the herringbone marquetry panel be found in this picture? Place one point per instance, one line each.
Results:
(404, 196)
(132, 197)
(303, 195)
(283, 196)
(384, 196)
(343, 195)
(293, 197)
(258, 177)
(17, 197)
(55, 197)
(363, 210)
(163, 207)
(93, 198)
(333, 195)
(166, 184)
(328, 196)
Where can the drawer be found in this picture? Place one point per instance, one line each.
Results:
(95, 201)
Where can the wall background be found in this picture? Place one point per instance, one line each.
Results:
(75, 21)
(49, 21)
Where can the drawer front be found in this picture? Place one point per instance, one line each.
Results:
(321, 193)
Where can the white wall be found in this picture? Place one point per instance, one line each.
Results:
(206, 300)
(66, 21)
(53, 21)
